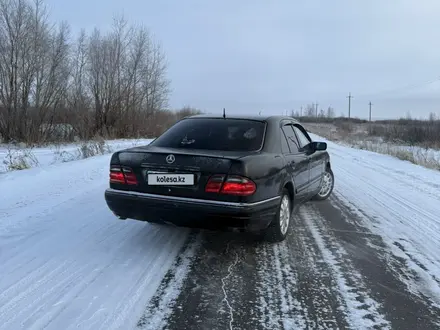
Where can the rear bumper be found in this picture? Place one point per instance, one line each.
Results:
(189, 212)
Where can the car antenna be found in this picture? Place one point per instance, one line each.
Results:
(224, 113)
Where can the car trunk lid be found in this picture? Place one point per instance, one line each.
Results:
(175, 172)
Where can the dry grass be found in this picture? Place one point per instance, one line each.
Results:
(359, 136)
(19, 159)
(416, 155)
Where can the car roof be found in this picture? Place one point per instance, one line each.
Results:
(269, 119)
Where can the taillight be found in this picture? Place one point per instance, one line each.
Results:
(215, 183)
(116, 175)
(233, 185)
(122, 175)
(237, 185)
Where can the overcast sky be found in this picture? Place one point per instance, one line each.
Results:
(253, 55)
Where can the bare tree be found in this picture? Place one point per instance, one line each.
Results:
(127, 77)
(78, 98)
(52, 78)
(106, 84)
(15, 35)
(295, 114)
(310, 110)
(34, 68)
(330, 112)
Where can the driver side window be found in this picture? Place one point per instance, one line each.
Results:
(302, 138)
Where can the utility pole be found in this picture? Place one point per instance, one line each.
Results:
(370, 104)
(317, 110)
(301, 113)
(349, 104)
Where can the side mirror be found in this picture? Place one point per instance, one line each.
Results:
(319, 146)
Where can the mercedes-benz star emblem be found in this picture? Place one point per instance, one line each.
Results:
(170, 159)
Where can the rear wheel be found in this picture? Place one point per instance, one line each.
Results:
(279, 228)
(327, 184)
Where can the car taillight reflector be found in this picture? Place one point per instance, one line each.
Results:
(116, 176)
(214, 184)
(122, 175)
(233, 185)
(237, 185)
(130, 177)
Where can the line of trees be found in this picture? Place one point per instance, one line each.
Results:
(110, 84)
(310, 112)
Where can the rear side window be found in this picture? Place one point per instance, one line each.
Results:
(284, 144)
(214, 134)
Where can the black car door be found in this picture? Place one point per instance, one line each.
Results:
(317, 159)
(297, 162)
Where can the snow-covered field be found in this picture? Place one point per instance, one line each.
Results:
(427, 157)
(67, 263)
(400, 202)
(360, 139)
(55, 154)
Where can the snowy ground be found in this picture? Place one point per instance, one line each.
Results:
(397, 200)
(367, 258)
(55, 154)
(360, 139)
(427, 157)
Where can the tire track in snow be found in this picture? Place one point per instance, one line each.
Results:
(400, 218)
(278, 290)
(159, 308)
(70, 279)
(224, 267)
(149, 262)
(90, 271)
(362, 311)
(388, 274)
(289, 285)
(296, 286)
(325, 275)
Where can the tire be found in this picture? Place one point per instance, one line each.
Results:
(280, 225)
(327, 184)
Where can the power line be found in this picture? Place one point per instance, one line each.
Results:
(370, 104)
(349, 104)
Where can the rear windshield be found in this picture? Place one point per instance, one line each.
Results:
(214, 134)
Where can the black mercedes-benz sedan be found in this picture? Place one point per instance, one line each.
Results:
(244, 173)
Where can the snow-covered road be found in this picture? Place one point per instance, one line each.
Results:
(367, 258)
(399, 201)
(65, 262)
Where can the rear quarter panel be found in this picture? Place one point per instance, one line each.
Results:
(266, 170)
